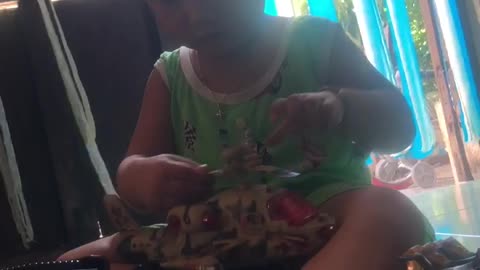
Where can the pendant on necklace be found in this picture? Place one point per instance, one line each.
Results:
(220, 114)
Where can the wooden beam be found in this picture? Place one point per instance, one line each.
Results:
(455, 145)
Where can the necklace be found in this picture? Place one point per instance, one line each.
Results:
(235, 156)
(220, 114)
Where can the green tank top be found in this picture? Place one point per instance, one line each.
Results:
(329, 162)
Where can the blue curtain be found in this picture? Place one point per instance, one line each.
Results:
(371, 29)
(323, 8)
(375, 46)
(270, 7)
(412, 87)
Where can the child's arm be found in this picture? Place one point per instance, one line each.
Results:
(376, 227)
(152, 136)
(376, 114)
(150, 178)
(153, 133)
(360, 103)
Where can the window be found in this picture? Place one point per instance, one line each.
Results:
(11, 4)
(7, 4)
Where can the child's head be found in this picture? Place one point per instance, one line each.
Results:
(213, 26)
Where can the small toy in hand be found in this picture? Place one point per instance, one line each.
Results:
(245, 226)
(240, 160)
(445, 254)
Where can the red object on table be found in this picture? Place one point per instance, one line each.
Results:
(291, 208)
(396, 186)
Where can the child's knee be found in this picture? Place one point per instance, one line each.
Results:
(373, 202)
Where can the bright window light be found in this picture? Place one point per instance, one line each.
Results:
(13, 4)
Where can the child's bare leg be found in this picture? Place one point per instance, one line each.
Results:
(376, 227)
(106, 247)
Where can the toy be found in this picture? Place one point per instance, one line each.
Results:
(241, 226)
(446, 254)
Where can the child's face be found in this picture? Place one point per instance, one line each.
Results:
(213, 26)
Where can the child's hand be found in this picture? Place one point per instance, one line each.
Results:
(302, 112)
(170, 180)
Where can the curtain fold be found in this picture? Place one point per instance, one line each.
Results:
(29, 142)
(13, 183)
(68, 130)
(107, 84)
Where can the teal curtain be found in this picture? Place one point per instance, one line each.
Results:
(374, 43)
(412, 87)
(270, 7)
(323, 8)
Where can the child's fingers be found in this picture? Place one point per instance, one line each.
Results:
(183, 159)
(291, 111)
(179, 177)
(184, 173)
(278, 108)
(279, 134)
(252, 163)
(239, 150)
(184, 189)
(202, 170)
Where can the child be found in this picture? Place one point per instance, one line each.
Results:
(296, 90)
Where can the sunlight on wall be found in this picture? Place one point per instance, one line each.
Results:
(284, 8)
(8, 5)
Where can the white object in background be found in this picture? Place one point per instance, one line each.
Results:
(13, 183)
(423, 174)
(285, 8)
(75, 91)
(476, 5)
(460, 64)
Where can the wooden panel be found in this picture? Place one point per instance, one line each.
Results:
(455, 146)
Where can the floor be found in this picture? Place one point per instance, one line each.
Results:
(453, 210)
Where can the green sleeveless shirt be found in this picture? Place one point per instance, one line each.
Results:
(329, 162)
